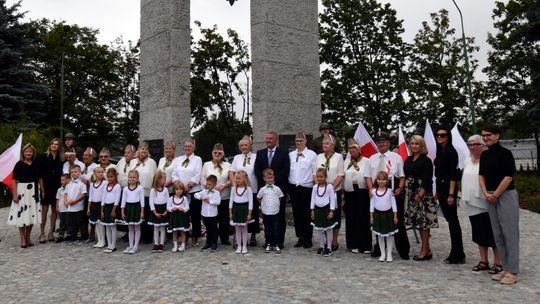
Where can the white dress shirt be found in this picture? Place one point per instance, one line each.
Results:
(123, 169)
(146, 170)
(210, 208)
(246, 162)
(168, 169)
(209, 168)
(354, 176)
(336, 167)
(60, 198)
(391, 161)
(75, 188)
(302, 168)
(87, 171)
(188, 173)
(65, 167)
(269, 196)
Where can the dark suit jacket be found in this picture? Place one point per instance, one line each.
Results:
(280, 165)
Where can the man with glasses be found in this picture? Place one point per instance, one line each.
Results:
(497, 167)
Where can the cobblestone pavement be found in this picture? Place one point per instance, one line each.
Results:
(60, 273)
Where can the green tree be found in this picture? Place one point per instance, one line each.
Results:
(362, 57)
(437, 72)
(21, 98)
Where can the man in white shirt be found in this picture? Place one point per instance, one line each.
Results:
(390, 162)
(302, 162)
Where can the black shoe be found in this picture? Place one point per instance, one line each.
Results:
(206, 247)
(451, 260)
(59, 240)
(214, 248)
(405, 257)
(155, 248)
(226, 242)
(428, 256)
(320, 251)
(327, 252)
(281, 246)
(299, 244)
(335, 247)
(253, 243)
(307, 244)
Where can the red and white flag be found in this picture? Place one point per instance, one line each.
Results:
(460, 145)
(364, 140)
(402, 146)
(8, 159)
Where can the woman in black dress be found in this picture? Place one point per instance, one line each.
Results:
(25, 211)
(50, 167)
(447, 175)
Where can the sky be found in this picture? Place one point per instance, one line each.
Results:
(121, 18)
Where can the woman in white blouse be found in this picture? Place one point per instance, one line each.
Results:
(146, 167)
(356, 207)
(245, 161)
(187, 169)
(332, 162)
(220, 169)
(166, 163)
(123, 165)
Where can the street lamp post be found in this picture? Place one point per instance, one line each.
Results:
(65, 30)
(467, 69)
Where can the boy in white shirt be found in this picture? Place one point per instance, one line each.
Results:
(211, 199)
(270, 196)
(61, 209)
(74, 201)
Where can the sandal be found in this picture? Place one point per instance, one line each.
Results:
(481, 266)
(495, 269)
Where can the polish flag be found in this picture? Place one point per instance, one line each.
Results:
(460, 145)
(8, 159)
(364, 140)
(402, 146)
(431, 144)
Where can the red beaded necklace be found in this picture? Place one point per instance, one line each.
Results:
(111, 189)
(94, 184)
(174, 201)
(377, 193)
(324, 192)
(240, 194)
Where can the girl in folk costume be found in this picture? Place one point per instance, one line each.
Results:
(178, 206)
(95, 197)
(159, 195)
(109, 206)
(383, 215)
(323, 205)
(165, 164)
(133, 210)
(240, 208)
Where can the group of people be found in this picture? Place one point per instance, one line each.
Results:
(382, 194)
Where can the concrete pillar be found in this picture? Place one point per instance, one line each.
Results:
(165, 71)
(285, 73)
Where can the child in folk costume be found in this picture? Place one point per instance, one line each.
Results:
(240, 208)
(61, 209)
(178, 206)
(109, 205)
(133, 210)
(270, 195)
(210, 198)
(323, 205)
(159, 195)
(95, 197)
(383, 215)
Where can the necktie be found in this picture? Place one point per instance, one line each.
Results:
(185, 163)
(327, 162)
(382, 165)
(246, 160)
(298, 155)
(270, 156)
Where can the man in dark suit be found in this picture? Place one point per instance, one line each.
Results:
(278, 160)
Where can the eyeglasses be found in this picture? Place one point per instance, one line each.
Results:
(441, 135)
(474, 145)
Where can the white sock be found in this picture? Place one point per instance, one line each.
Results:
(137, 236)
(156, 235)
(162, 235)
(131, 235)
(100, 229)
(114, 236)
(108, 230)
(244, 235)
(238, 236)
(389, 247)
(320, 234)
(329, 238)
(382, 245)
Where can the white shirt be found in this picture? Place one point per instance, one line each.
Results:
(335, 170)
(96, 192)
(210, 169)
(269, 197)
(321, 198)
(396, 166)
(133, 196)
(176, 202)
(209, 209)
(168, 170)
(109, 166)
(246, 162)
(241, 196)
(158, 197)
(382, 201)
(146, 170)
(123, 170)
(65, 167)
(60, 198)
(301, 171)
(112, 195)
(353, 176)
(471, 194)
(74, 189)
(87, 171)
(190, 173)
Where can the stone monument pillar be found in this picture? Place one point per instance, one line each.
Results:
(165, 71)
(286, 77)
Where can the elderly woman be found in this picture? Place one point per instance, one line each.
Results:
(220, 169)
(105, 160)
(245, 161)
(146, 167)
(356, 207)
(123, 165)
(27, 192)
(477, 207)
(187, 169)
(332, 162)
(50, 166)
(165, 163)
(421, 211)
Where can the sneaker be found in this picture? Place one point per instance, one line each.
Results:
(277, 250)
(182, 247)
(238, 250)
(389, 258)
(160, 248)
(498, 276)
(133, 250)
(206, 247)
(244, 250)
(327, 252)
(320, 251)
(155, 249)
(175, 248)
(267, 249)
(127, 250)
(509, 279)
(109, 250)
(214, 248)
(355, 250)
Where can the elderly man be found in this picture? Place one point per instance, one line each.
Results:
(316, 144)
(390, 162)
(496, 173)
(278, 160)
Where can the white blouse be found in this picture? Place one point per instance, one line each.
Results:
(222, 177)
(241, 196)
(96, 192)
(123, 169)
(321, 196)
(471, 194)
(354, 176)
(133, 196)
(112, 195)
(87, 171)
(302, 167)
(177, 202)
(246, 162)
(65, 167)
(382, 201)
(146, 170)
(168, 169)
(188, 171)
(158, 198)
(335, 169)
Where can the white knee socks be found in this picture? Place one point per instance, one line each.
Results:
(137, 236)
(100, 234)
(389, 246)
(162, 235)
(382, 245)
(329, 238)
(320, 235)
(244, 230)
(156, 235)
(111, 236)
(131, 235)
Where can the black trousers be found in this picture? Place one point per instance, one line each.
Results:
(358, 228)
(211, 230)
(301, 200)
(400, 238)
(195, 216)
(223, 220)
(77, 222)
(271, 229)
(282, 222)
(451, 216)
(255, 227)
(63, 228)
